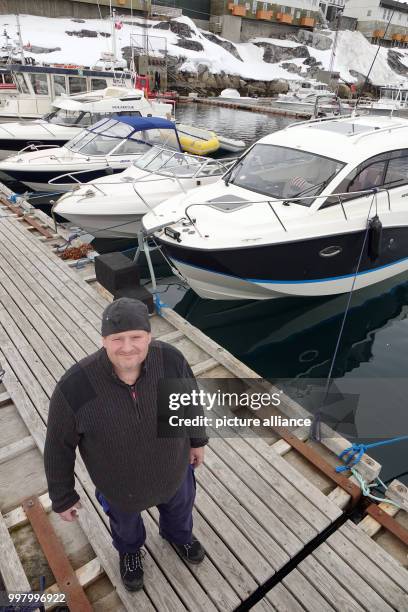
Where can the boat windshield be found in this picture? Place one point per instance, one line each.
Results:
(169, 163)
(70, 118)
(117, 138)
(284, 173)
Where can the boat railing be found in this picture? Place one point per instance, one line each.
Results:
(237, 206)
(73, 175)
(37, 147)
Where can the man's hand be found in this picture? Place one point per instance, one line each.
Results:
(196, 456)
(71, 514)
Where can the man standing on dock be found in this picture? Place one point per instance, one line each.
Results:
(106, 405)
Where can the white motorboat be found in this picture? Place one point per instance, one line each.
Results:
(108, 147)
(37, 86)
(112, 207)
(392, 100)
(69, 116)
(316, 209)
(313, 105)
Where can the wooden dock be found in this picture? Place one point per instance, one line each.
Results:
(263, 501)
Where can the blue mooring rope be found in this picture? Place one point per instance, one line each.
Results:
(352, 455)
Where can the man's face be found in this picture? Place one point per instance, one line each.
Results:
(127, 350)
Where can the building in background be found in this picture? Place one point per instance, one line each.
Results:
(331, 8)
(240, 20)
(374, 16)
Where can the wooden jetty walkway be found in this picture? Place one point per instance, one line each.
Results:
(262, 500)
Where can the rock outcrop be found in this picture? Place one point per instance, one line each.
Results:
(225, 44)
(394, 62)
(179, 28)
(274, 53)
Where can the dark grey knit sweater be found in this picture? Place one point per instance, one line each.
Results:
(92, 409)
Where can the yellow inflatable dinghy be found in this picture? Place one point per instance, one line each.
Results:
(197, 140)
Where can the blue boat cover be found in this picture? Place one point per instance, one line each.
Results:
(145, 123)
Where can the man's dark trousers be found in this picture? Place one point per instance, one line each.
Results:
(176, 520)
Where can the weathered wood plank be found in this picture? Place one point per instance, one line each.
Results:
(251, 525)
(328, 586)
(17, 448)
(365, 565)
(4, 398)
(17, 517)
(282, 600)
(286, 471)
(257, 505)
(63, 300)
(363, 548)
(350, 580)
(43, 253)
(304, 591)
(204, 366)
(11, 569)
(86, 575)
(264, 488)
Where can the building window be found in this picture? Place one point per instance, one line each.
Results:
(298, 14)
(368, 13)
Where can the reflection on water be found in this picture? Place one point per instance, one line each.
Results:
(296, 338)
(237, 124)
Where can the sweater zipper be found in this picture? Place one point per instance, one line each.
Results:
(133, 395)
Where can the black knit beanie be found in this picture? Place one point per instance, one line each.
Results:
(125, 314)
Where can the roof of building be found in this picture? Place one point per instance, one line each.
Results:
(402, 7)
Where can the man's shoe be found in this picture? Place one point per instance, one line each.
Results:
(131, 570)
(193, 553)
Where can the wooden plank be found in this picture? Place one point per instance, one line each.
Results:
(328, 586)
(11, 569)
(255, 563)
(86, 575)
(373, 574)
(17, 517)
(204, 366)
(257, 505)
(370, 526)
(42, 253)
(62, 300)
(303, 590)
(349, 579)
(17, 448)
(60, 283)
(170, 336)
(250, 524)
(26, 352)
(282, 600)
(363, 547)
(30, 327)
(4, 398)
(268, 454)
(182, 580)
(264, 489)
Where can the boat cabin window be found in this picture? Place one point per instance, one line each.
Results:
(76, 84)
(283, 173)
(21, 83)
(69, 118)
(98, 84)
(385, 170)
(7, 78)
(60, 86)
(39, 83)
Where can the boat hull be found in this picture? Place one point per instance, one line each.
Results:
(108, 226)
(295, 268)
(39, 181)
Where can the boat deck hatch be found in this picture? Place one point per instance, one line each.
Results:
(228, 203)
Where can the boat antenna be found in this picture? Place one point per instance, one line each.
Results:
(375, 57)
(20, 40)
